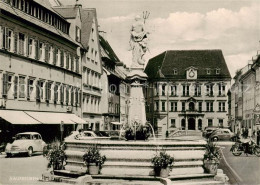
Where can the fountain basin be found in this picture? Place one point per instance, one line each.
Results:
(134, 157)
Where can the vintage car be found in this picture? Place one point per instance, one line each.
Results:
(222, 134)
(26, 142)
(91, 135)
(208, 131)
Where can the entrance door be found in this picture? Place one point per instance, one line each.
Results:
(191, 124)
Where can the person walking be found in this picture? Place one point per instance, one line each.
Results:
(258, 137)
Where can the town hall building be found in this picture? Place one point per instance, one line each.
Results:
(187, 90)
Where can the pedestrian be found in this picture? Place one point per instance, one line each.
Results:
(238, 132)
(258, 136)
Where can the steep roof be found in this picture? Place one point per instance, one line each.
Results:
(162, 65)
(107, 50)
(7, 8)
(87, 16)
(68, 12)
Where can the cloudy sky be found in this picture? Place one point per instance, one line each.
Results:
(230, 25)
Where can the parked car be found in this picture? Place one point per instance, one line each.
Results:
(92, 135)
(208, 131)
(222, 134)
(26, 142)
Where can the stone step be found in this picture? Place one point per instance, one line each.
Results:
(191, 179)
(135, 170)
(66, 173)
(143, 163)
(152, 178)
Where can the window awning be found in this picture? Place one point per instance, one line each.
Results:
(116, 123)
(17, 117)
(54, 118)
(76, 119)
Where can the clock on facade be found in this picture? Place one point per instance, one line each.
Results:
(191, 74)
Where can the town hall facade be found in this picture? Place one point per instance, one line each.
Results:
(187, 90)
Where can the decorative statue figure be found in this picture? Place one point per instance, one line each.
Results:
(138, 42)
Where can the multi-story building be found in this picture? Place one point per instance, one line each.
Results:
(256, 111)
(245, 98)
(236, 112)
(187, 90)
(40, 68)
(92, 70)
(115, 93)
(84, 28)
(248, 98)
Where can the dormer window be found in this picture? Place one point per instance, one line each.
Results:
(208, 71)
(175, 72)
(217, 71)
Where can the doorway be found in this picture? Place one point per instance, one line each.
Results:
(191, 124)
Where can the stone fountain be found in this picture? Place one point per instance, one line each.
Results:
(132, 159)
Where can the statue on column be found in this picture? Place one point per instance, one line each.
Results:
(138, 41)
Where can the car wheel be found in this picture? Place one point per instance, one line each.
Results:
(30, 151)
(214, 139)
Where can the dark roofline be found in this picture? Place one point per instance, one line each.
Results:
(162, 64)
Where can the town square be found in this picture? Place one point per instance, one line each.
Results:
(96, 92)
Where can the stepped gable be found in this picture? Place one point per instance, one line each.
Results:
(164, 63)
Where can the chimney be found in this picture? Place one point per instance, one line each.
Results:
(103, 34)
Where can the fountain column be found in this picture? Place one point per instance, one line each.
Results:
(137, 77)
(137, 113)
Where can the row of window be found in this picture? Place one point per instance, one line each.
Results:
(174, 90)
(113, 108)
(191, 106)
(91, 104)
(91, 77)
(40, 13)
(42, 90)
(209, 121)
(208, 70)
(25, 45)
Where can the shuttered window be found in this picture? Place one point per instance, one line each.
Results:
(38, 92)
(72, 96)
(48, 91)
(15, 86)
(37, 49)
(7, 38)
(61, 93)
(54, 55)
(67, 95)
(72, 63)
(22, 86)
(29, 47)
(56, 87)
(30, 87)
(15, 49)
(5, 85)
(21, 44)
(47, 48)
(67, 60)
(61, 58)
(77, 65)
(76, 96)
